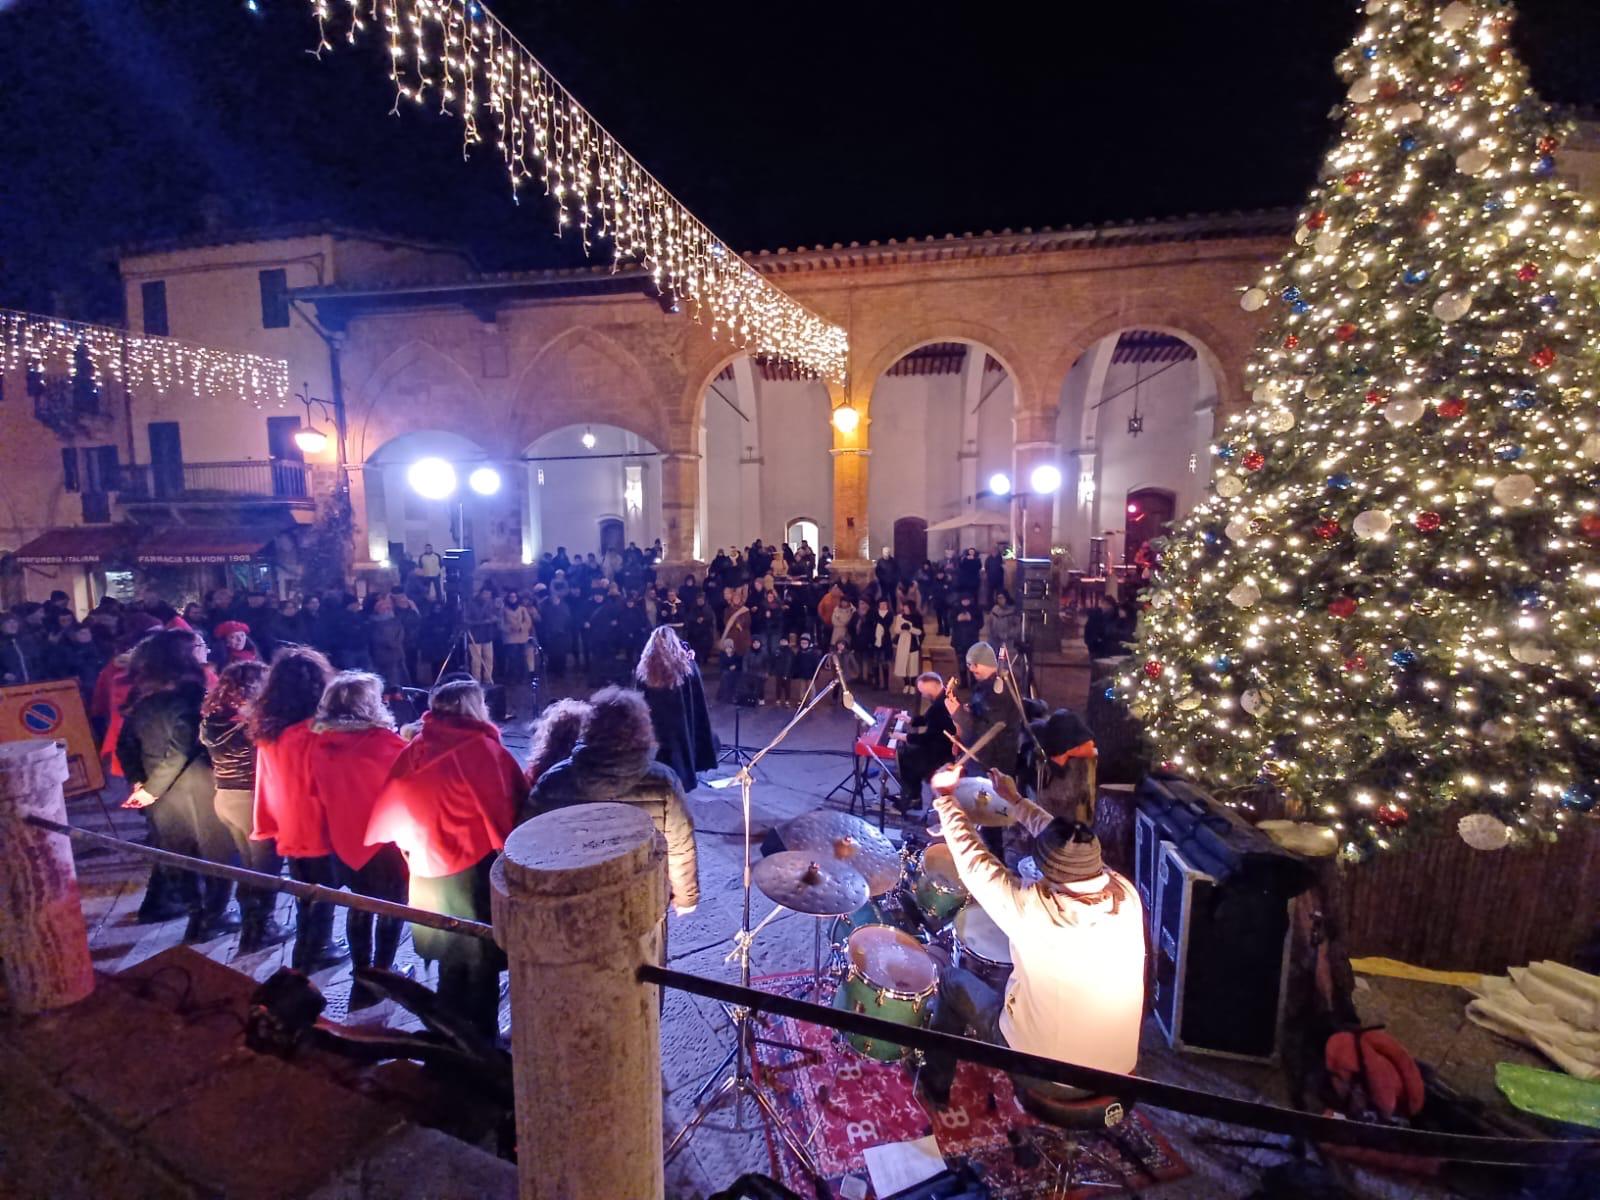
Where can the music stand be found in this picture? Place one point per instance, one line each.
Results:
(741, 1083)
(736, 752)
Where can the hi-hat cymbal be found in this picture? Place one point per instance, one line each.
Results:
(810, 883)
(977, 797)
(848, 840)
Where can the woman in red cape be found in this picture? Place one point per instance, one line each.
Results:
(352, 749)
(451, 799)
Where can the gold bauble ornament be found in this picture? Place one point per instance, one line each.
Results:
(1357, 280)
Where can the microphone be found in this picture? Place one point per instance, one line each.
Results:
(846, 695)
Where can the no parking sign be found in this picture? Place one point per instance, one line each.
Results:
(54, 710)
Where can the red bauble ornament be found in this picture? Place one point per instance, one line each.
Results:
(1343, 606)
(1392, 816)
(1548, 145)
(1388, 89)
(1375, 397)
(1254, 461)
(1427, 522)
(1589, 526)
(1153, 669)
(1345, 332)
(1356, 662)
(1528, 272)
(1457, 85)
(1290, 342)
(1354, 179)
(1428, 218)
(1327, 530)
(1542, 357)
(1451, 407)
(1317, 219)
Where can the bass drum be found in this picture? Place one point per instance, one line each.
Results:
(892, 977)
(982, 947)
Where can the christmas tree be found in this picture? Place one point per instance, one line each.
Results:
(1389, 607)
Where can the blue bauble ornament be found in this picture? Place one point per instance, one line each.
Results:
(1525, 400)
(1299, 307)
(1291, 293)
(1212, 537)
(1415, 275)
(1369, 52)
(1226, 451)
(1223, 664)
(1549, 301)
(1340, 482)
(1577, 800)
(1492, 204)
(1408, 143)
(1360, 371)
(1508, 453)
(1403, 658)
(1111, 693)
(1529, 597)
(1544, 166)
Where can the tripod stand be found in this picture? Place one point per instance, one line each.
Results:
(741, 1083)
(737, 753)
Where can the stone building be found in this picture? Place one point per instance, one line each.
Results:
(1110, 353)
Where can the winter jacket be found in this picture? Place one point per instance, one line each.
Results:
(226, 737)
(907, 646)
(625, 775)
(19, 659)
(684, 741)
(516, 624)
(965, 623)
(286, 808)
(1005, 626)
(386, 639)
(349, 763)
(451, 797)
(159, 746)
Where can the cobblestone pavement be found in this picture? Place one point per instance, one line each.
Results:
(696, 1033)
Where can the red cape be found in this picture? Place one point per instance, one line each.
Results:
(348, 768)
(111, 690)
(286, 808)
(451, 797)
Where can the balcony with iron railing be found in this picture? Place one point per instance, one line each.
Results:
(252, 481)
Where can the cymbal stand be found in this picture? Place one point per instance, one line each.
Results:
(741, 1083)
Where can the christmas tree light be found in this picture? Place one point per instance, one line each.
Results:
(32, 342)
(459, 55)
(1390, 606)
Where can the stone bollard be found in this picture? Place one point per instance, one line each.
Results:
(44, 947)
(579, 896)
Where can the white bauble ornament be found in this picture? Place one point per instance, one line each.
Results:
(1267, 392)
(1374, 7)
(1190, 701)
(1590, 447)
(1253, 300)
(1303, 234)
(1363, 90)
(1236, 529)
(1530, 654)
(1404, 410)
(1316, 390)
(1472, 162)
(1452, 306)
(1408, 114)
(1374, 523)
(1229, 486)
(1498, 731)
(1456, 17)
(1243, 595)
(1357, 280)
(1327, 241)
(1483, 832)
(1580, 243)
(1252, 701)
(1514, 489)
(1280, 420)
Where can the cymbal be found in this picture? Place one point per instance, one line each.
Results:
(810, 883)
(848, 840)
(976, 797)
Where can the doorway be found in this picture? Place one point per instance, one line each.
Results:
(910, 543)
(1149, 514)
(611, 536)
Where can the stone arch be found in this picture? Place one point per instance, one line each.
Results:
(585, 376)
(1005, 352)
(408, 391)
(699, 378)
(1217, 351)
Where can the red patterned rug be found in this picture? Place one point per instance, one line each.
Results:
(852, 1102)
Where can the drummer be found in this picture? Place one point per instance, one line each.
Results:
(1076, 993)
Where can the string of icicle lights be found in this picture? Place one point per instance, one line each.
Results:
(458, 55)
(53, 346)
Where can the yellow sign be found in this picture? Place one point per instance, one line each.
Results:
(54, 710)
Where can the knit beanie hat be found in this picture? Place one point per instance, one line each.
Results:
(1061, 731)
(981, 654)
(1067, 852)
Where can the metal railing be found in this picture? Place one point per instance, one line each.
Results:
(198, 482)
(1126, 1089)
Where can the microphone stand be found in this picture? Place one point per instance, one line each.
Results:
(741, 1082)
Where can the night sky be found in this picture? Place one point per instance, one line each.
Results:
(778, 124)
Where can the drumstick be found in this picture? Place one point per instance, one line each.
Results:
(989, 735)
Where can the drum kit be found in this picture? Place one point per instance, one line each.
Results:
(893, 915)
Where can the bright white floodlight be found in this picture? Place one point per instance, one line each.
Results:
(485, 481)
(432, 478)
(1046, 479)
(999, 484)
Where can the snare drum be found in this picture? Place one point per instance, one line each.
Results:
(892, 977)
(939, 892)
(982, 947)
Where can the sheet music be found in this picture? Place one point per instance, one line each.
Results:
(895, 1166)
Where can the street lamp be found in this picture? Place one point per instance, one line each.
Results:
(308, 437)
(846, 418)
(588, 438)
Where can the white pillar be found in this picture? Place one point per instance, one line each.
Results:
(44, 947)
(751, 453)
(578, 897)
